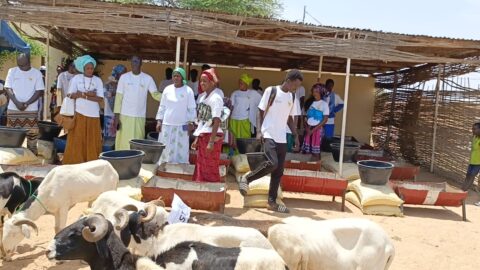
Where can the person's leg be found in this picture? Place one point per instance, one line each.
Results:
(275, 180)
(264, 169)
(329, 131)
(472, 172)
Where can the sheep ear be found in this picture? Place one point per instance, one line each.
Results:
(102, 249)
(26, 231)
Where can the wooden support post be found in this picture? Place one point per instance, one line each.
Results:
(177, 55)
(392, 109)
(320, 66)
(435, 119)
(47, 85)
(344, 118)
(185, 54)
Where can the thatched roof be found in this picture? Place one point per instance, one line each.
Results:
(116, 31)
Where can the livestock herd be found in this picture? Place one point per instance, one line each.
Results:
(118, 232)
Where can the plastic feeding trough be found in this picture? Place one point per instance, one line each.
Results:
(248, 145)
(349, 152)
(12, 137)
(48, 130)
(153, 149)
(152, 136)
(127, 163)
(374, 172)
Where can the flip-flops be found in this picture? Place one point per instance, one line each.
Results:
(243, 186)
(278, 208)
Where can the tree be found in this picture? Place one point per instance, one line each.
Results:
(262, 8)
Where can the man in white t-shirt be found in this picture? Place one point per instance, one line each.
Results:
(277, 109)
(24, 86)
(63, 81)
(335, 104)
(131, 104)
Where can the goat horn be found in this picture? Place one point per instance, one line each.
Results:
(159, 202)
(130, 207)
(96, 227)
(27, 222)
(121, 219)
(151, 210)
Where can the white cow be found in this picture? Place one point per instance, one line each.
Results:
(343, 244)
(62, 188)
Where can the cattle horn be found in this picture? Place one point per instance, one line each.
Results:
(130, 207)
(151, 210)
(27, 222)
(159, 202)
(121, 219)
(96, 227)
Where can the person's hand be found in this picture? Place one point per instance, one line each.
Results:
(210, 146)
(308, 131)
(159, 127)
(92, 93)
(259, 136)
(194, 144)
(21, 106)
(116, 123)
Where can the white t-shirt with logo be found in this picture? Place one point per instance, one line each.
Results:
(216, 90)
(63, 82)
(319, 105)
(241, 105)
(215, 101)
(24, 84)
(134, 89)
(275, 122)
(177, 106)
(80, 83)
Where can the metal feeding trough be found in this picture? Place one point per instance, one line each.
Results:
(12, 137)
(153, 149)
(248, 145)
(127, 163)
(374, 172)
(349, 152)
(48, 130)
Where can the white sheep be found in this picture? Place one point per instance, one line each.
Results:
(62, 188)
(343, 244)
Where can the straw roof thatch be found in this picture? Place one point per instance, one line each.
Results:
(116, 31)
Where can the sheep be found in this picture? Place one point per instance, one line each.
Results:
(150, 239)
(62, 188)
(332, 244)
(93, 240)
(198, 255)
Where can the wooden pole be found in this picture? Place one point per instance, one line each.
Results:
(344, 118)
(435, 118)
(185, 54)
(47, 89)
(177, 55)
(320, 66)
(392, 109)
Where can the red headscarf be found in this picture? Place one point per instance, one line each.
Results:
(211, 75)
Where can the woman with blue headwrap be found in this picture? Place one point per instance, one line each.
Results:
(175, 117)
(84, 140)
(317, 116)
(109, 127)
(245, 102)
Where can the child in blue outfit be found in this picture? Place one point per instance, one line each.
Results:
(474, 166)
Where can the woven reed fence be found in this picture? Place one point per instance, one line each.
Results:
(412, 119)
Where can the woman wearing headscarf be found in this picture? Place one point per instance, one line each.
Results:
(209, 135)
(109, 127)
(317, 116)
(175, 117)
(84, 141)
(244, 114)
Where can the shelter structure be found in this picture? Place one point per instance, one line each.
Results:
(112, 31)
(10, 40)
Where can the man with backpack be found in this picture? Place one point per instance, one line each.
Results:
(277, 109)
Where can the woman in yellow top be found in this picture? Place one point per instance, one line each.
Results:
(474, 166)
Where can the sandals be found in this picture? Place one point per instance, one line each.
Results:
(243, 186)
(280, 208)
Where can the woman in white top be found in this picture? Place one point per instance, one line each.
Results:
(245, 107)
(175, 117)
(317, 116)
(84, 141)
(63, 81)
(209, 135)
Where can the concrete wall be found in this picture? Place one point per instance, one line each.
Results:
(362, 90)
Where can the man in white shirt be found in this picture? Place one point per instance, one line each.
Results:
(277, 109)
(24, 86)
(335, 104)
(131, 104)
(63, 81)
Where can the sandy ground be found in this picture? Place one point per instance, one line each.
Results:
(426, 238)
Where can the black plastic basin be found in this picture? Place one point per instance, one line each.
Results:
(152, 136)
(256, 160)
(248, 145)
(127, 163)
(374, 172)
(349, 152)
(12, 137)
(48, 130)
(153, 149)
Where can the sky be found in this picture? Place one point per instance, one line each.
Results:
(440, 18)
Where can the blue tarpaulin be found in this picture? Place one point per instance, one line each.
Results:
(10, 41)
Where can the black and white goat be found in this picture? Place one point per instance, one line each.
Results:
(92, 239)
